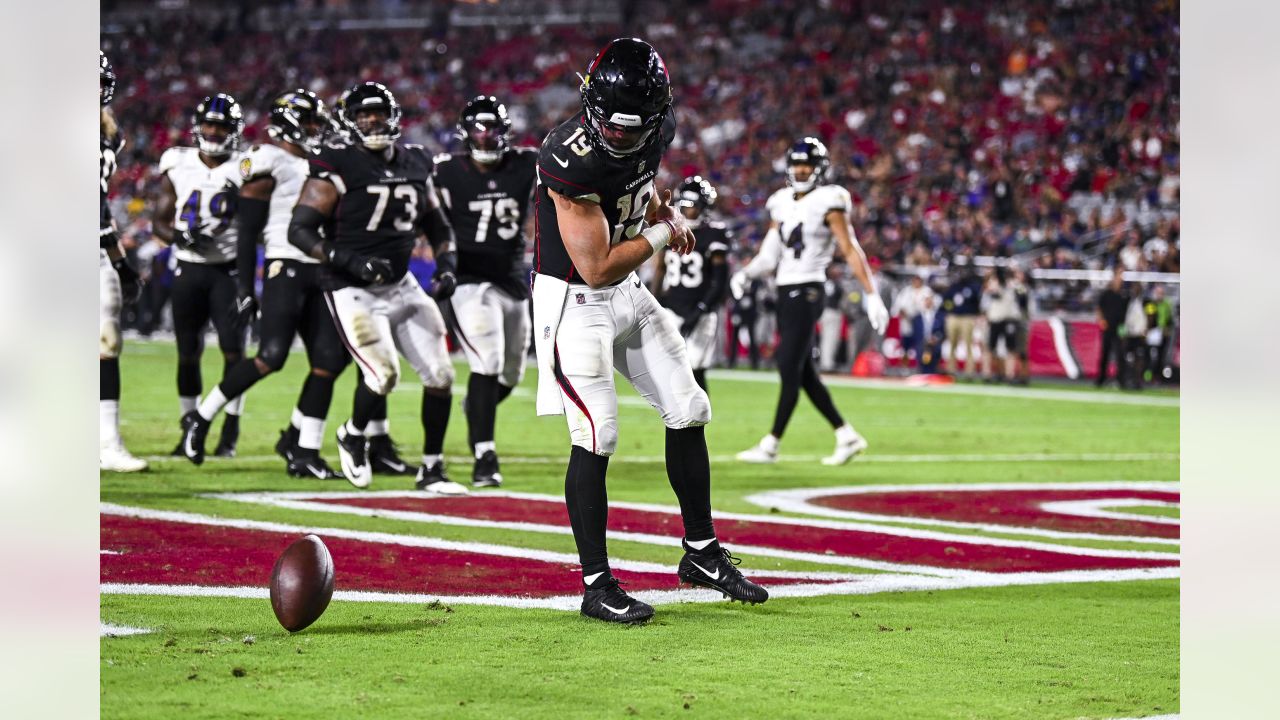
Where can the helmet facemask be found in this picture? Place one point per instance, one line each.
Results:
(485, 139)
(621, 135)
(371, 114)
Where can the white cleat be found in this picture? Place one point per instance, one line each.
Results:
(446, 487)
(116, 459)
(760, 454)
(846, 449)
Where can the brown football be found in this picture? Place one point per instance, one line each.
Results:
(302, 583)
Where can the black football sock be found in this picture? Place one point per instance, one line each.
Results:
(189, 381)
(700, 377)
(239, 378)
(504, 391)
(820, 396)
(482, 407)
(317, 394)
(109, 378)
(364, 406)
(588, 505)
(435, 419)
(689, 470)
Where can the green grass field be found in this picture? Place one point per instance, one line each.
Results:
(1057, 650)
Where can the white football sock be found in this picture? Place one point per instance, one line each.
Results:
(212, 404)
(430, 461)
(352, 429)
(236, 406)
(699, 544)
(109, 422)
(377, 427)
(188, 403)
(296, 419)
(484, 447)
(311, 433)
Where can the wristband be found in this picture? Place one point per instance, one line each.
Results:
(659, 235)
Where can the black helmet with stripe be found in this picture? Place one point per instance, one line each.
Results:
(300, 117)
(626, 94)
(485, 129)
(106, 80)
(696, 193)
(218, 109)
(812, 152)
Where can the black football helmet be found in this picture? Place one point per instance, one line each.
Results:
(626, 94)
(218, 109)
(809, 151)
(106, 80)
(300, 117)
(696, 193)
(370, 96)
(485, 129)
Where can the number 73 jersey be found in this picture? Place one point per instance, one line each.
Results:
(206, 201)
(807, 242)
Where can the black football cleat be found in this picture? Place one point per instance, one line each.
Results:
(606, 601)
(194, 431)
(308, 464)
(434, 480)
(230, 436)
(717, 570)
(384, 457)
(486, 472)
(353, 452)
(287, 443)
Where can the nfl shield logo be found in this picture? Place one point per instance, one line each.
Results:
(582, 299)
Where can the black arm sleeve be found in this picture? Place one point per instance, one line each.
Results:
(717, 284)
(251, 218)
(439, 230)
(304, 230)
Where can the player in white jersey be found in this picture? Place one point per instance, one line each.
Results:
(118, 283)
(196, 213)
(807, 221)
(292, 300)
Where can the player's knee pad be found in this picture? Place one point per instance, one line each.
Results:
(273, 355)
(599, 439)
(439, 377)
(109, 340)
(693, 409)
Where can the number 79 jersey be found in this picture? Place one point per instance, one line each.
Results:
(206, 201)
(807, 242)
(570, 165)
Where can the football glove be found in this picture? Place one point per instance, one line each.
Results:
(373, 270)
(243, 311)
(738, 284)
(691, 321)
(190, 239)
(877, 313)
(443, 284)
(130, 283)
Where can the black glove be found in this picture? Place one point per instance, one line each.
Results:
(107, 238)
(190, 239)
(443, 284)
(691, 320)
(245, 308)
(373, 270)
(130, 283)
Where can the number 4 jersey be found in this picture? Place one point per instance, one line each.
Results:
(807, 242)
(569, 165)
(380, 203)
(488, 212)
(206, 201)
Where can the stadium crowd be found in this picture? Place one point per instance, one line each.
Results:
(962, 129)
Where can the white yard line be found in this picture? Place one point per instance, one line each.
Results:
(861, 459)
(109, 630)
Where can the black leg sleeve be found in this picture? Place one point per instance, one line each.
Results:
(435, 421)
(482, 407)
(588, 505)
(689, 470)
(109, 378)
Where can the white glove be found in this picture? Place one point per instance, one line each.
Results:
(738, 284)
(877, 313)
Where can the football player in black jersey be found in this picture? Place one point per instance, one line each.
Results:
(694, 286)
(598, 220)
(486, 191)
(195, 213)
(117, 284)
(373, 199)
(292, 300)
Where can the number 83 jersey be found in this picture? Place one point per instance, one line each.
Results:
(807, 242)
(206, 201)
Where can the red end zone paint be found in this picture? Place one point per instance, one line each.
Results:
(864, 544)
(150, 551)
(1020, 508)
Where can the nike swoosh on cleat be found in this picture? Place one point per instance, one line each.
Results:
(713, 576)
(316, 471)
(397, 466)
(615, 610)
(589, 579)
(563, 163)
(189, 446)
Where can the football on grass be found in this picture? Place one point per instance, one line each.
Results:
(302, 583)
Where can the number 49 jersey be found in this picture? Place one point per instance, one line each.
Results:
(570, 165)
(684, 282)
(807, 242)
(488, 211)
(380, 203)
(206, 201)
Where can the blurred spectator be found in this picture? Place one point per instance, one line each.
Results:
(1021, 287)
(931, 327)
(1112, 306)
(962, 304)
(1159, 334)
(907, 306)
(1135, 343)
(1001, 307)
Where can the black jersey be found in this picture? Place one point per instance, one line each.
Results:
(107, 158)
(569, 165)
(487, 210)
(687, 277)
(380, 203)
